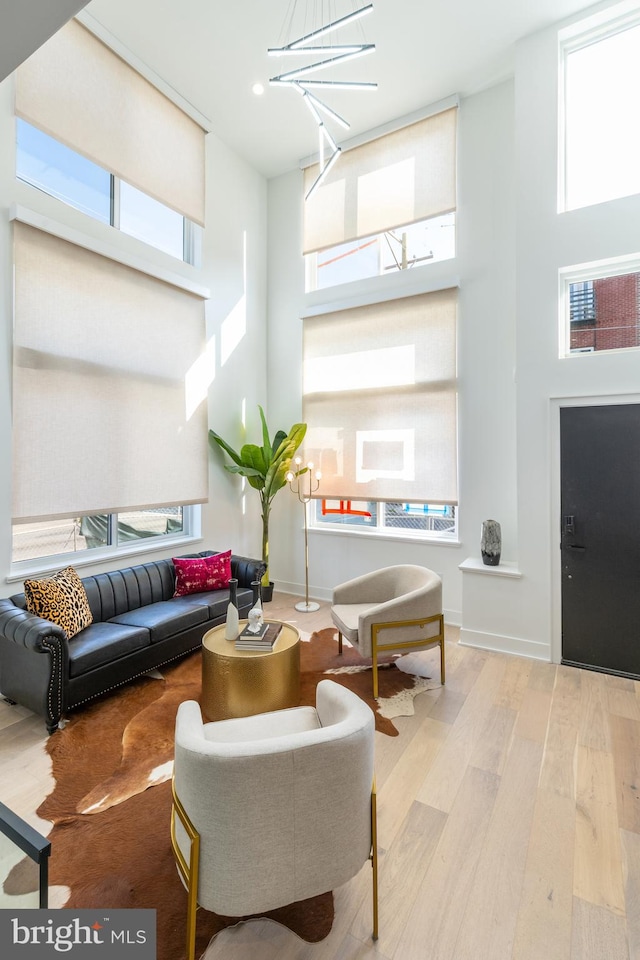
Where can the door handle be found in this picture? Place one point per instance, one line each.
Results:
(572, 546)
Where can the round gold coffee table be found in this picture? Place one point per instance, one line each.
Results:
(241, 683)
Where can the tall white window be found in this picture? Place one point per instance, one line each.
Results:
(379, 398)
(101, 422)
(387, 205)
(601, 94)
(109, 440)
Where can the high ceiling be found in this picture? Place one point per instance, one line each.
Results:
(212, 52)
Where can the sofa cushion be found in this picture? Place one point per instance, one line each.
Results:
(200, 574)
(101, 643)
(216, 604)
(61, 599)
(165, 619)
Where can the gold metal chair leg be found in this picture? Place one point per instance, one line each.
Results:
(189, 871)
(374, 659)
(192, 908)
(374, 858)
(442, 668)
(339, 643)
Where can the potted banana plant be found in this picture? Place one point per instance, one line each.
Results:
(265, 468)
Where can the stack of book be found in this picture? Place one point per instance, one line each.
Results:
(263, 640)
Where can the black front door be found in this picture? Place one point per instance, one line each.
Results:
(600, 537)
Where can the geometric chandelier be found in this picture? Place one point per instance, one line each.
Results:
(301, 79)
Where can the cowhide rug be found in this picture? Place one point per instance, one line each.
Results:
(110, 808)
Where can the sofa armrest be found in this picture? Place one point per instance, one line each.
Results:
(246, 570)
(34, 662)
(28, 630)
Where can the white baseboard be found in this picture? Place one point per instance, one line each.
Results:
(453, 618)
(501, 644)
(297, 589)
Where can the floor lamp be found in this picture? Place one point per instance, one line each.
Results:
(304, 483)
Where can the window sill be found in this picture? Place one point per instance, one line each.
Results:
(380, 534)
(504, 569)
(45, 565)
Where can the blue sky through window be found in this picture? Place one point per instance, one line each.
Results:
(145, 218)
(49, 165)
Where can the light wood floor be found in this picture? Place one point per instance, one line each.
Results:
(509, 819)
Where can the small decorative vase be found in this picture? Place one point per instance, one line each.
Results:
(491, 543)
(255, 615)
(232, 626)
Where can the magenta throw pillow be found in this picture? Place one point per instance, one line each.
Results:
(197, 574)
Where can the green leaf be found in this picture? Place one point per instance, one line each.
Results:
(244, 471)
(253, 456)
(277, 440)
(266, 443)
(276, 474)
(225, 446)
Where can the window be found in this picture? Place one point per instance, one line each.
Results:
(74, 90)
(62, 173)
(114, 370)
(109, 425)
(150, 221)
(73, 535)
(387, 205)
(603, 312)
(601, 145)
(582, 307)
(379, 399)
(407, 519)
(403, 249)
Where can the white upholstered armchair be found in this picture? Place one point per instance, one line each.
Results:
(274, 808)
(394, 608)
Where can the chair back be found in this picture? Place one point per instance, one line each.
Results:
(281, 818)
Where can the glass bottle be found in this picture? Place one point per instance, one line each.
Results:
(232, 626)
(256, 616)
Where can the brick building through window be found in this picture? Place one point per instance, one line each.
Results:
(605, 313)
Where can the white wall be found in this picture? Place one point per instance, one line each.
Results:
(485, 268)
(233, 268)
(547, 241)
(512, 243)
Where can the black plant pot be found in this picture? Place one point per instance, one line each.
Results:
(267, 592)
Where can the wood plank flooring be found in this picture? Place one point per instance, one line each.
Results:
(509, 819)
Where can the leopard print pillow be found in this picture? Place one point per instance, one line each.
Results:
(61, 599)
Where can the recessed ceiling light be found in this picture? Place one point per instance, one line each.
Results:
(258, 89)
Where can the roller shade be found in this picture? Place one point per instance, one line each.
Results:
(380, 399)
(79, 91)
(389, 182)
(101, 422)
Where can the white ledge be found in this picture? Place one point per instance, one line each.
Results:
(504, 569)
